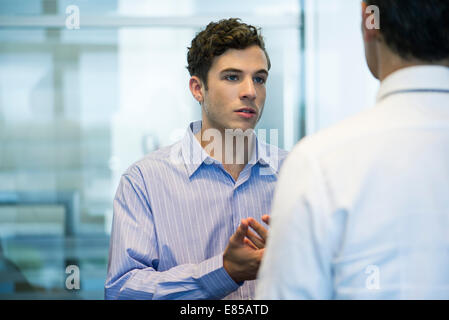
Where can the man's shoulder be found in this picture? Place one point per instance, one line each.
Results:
(164, 158)
(342, 134)
(274, 154)
(329, 145)
(273, 149)
(282, 153)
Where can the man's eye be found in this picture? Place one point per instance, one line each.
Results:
(231, 77)
(259, 80)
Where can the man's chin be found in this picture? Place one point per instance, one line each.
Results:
(238, 125)
(234, 125)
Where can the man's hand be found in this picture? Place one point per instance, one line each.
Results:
(245, 250)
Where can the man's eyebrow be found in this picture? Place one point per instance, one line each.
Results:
(263, 71)
(231, 70)
(240, 71)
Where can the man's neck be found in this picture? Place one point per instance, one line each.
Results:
(390, 62)
(233, 151)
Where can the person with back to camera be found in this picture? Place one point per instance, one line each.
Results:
(361, 209)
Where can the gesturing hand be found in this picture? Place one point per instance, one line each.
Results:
(242, 256)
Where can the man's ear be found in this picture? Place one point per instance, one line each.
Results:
(370, 22)
(196, 87)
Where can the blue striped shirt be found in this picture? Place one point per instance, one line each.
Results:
(173, 218)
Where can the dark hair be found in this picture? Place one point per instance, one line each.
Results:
(218, 37)
(415, 28)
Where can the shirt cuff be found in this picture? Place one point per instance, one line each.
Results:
(215, 279)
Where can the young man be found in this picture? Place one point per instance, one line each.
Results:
(182, 215)
(361, 210)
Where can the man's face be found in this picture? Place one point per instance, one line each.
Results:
(236, 89)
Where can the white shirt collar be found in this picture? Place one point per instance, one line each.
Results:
(417, 78)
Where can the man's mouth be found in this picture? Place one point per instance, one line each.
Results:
(247, 110)
(246, 113)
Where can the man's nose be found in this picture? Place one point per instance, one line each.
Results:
(247, 89)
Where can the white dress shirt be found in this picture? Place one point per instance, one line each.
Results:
(361, 209)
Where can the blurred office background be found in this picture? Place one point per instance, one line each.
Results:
(78, 106)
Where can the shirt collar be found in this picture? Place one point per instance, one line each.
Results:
(417, 78)
(194, 155)
(192, 152)
(267, 156)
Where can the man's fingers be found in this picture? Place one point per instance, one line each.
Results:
(241, 231)
(250, 244)
(244, 235)
(266, 219)
(258, 242)
(261, 231)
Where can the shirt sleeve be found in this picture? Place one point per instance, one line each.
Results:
(298, 258)
(133, 256)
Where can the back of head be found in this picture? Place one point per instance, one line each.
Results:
(218, 37)
(415, 29)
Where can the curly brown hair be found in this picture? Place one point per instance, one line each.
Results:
(218, 37)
